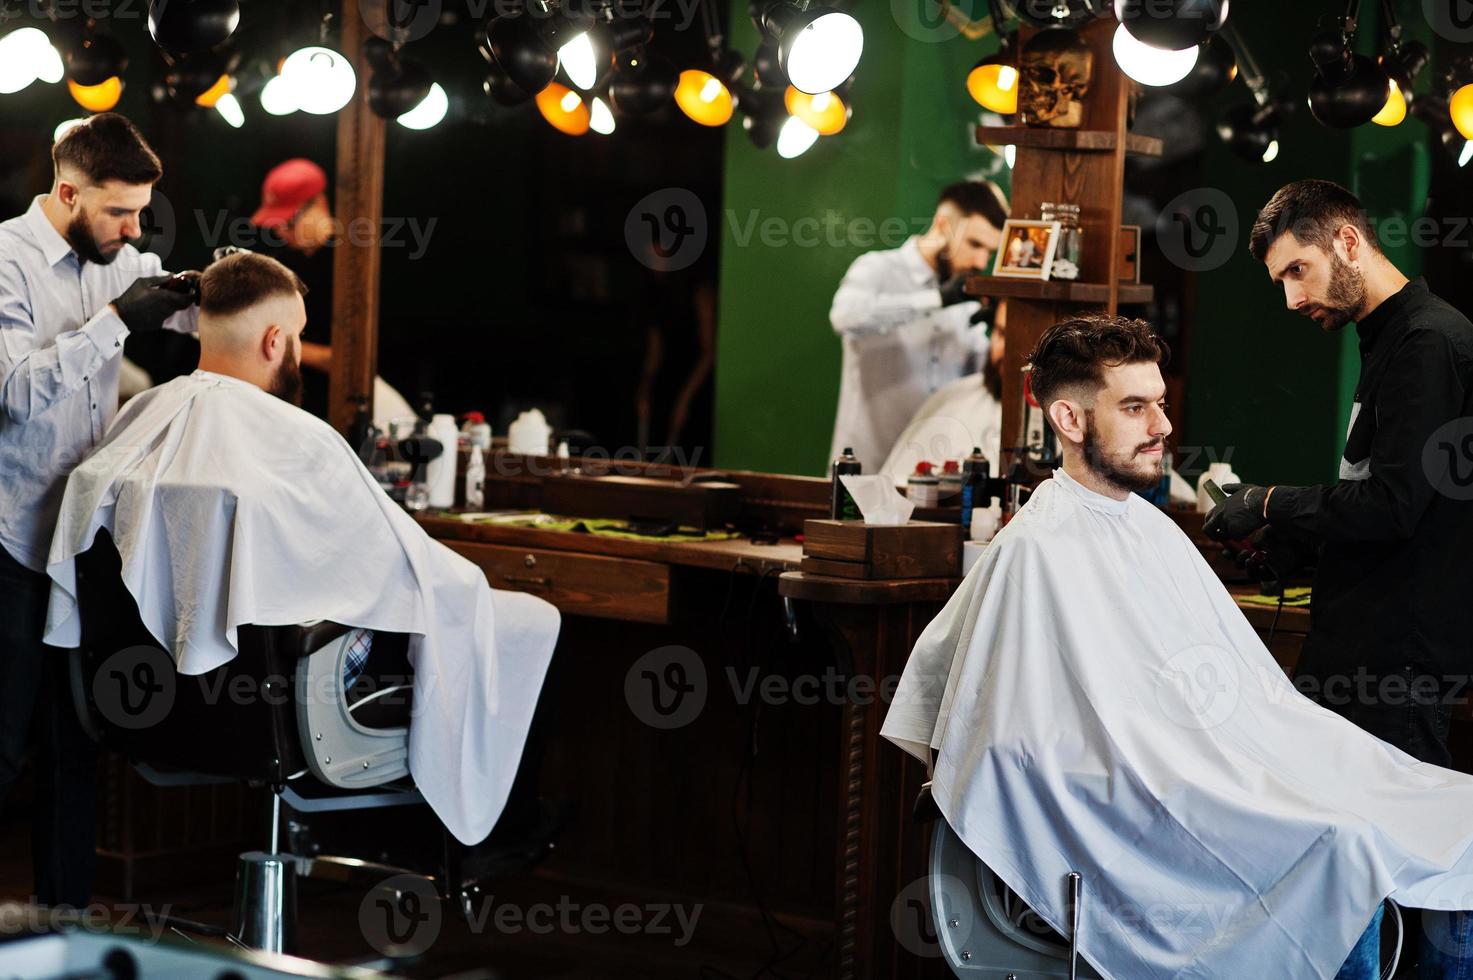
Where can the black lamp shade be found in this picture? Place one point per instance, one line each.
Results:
(516, 46)
(95, 60)
(182, 27)
(1171, 24)
(1350, 96)
(393, 93)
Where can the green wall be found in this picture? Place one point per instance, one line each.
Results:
(777, 362)
(1264, 385)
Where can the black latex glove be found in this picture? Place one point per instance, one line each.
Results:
(145, 305)
(986, 312)
(1239, 515)
(951, 290)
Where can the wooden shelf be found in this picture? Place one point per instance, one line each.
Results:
(1057, 290)
(1080, 140)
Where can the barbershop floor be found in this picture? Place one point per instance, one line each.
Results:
(328, 930)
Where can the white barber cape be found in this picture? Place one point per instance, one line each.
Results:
(1098, 703)
(948, 425)
(230, 506)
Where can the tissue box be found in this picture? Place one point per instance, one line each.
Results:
(854, 549)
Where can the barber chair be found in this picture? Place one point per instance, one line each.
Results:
(987, 932)
(984, 929)
(278, 716)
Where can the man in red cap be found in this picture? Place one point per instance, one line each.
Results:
(299, 228)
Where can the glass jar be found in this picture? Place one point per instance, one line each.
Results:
(1070, 246)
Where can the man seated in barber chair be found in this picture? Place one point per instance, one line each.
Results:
(1092, 702)
(232, 510)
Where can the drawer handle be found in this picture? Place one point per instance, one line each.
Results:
(538, 580)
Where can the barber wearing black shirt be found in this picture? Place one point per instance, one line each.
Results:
(1390, 645)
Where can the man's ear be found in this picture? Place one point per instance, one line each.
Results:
(67, 192)
(273, 343)
(1350, 239)
(1068, 419)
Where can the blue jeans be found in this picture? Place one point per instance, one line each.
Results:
(1447, 946)
(1364, 962)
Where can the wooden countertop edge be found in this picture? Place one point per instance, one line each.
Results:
(717, 555)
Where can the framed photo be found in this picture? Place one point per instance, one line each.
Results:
(1027, 249)
(1130, 253)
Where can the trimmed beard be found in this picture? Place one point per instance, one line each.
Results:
(1116, 475)
(1345, 296)
(79, 236)
(286, 384)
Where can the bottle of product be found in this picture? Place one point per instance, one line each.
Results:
(477, 431)
(440, 475)
(950, 482)
(841, 503)
(975, 472)
(475, 479)
(923, 488)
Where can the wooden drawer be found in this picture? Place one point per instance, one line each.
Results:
(581, 585)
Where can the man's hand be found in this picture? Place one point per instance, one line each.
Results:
(1239, 515)
(144, 306)
(951, 290)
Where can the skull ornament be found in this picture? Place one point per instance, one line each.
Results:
(1056, 68)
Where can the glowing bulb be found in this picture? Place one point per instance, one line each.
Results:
(579, 61)
(97, 98)
(1007, 77)
(1395, 109)
(1010, 155)
(795, 138)
(825, 112)
(321, 80)
(1460, 108)
(1152, 66)
(825, 52)
(1467, 153)
(703, 98)
(1272, 152)
(431, 109)
(277, 97)
(228, 106)
(600, 120)
(26, 55)
(570, 102)
(215, 93)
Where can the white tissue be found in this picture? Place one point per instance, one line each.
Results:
(878, 500)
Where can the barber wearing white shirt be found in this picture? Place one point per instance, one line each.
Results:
(906, 325)
(72, 288)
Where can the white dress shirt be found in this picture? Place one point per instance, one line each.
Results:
(61, 349)
(900, 345)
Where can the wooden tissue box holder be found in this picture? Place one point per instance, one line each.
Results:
(854, 549)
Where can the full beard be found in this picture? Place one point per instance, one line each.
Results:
(79, 236)
(287, 383)
(1131, 479)
(1345, 296)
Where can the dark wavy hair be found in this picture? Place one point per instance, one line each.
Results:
(107, 147)
(1074, 353)
(1312, 211)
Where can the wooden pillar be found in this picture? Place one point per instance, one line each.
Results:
(358, 203)
(1084, 166)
